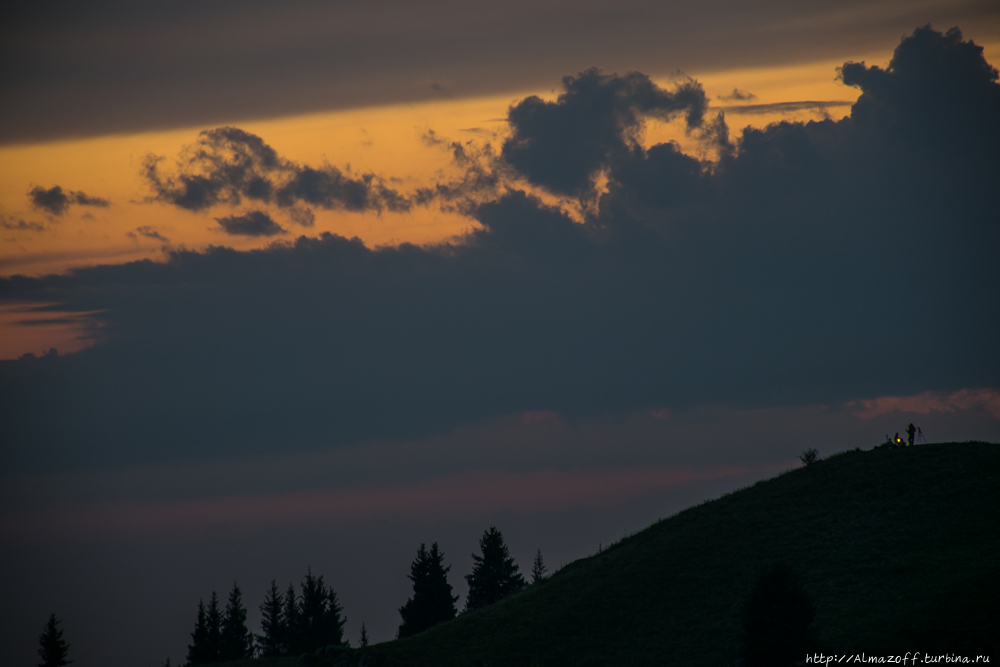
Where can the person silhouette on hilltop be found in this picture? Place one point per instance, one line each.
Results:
(911, 431)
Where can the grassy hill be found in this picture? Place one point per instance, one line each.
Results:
(898, 550)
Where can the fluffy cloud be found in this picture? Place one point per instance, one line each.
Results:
(57, 201)
(938, 98)
(561, 145)
(227, 165)
(813, 263)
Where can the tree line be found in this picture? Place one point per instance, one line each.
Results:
(304, 620)
(778, 617)
(292, 623)
(297, 622)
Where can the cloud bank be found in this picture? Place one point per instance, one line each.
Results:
(811, 263)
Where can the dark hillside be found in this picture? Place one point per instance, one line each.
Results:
(896, 548)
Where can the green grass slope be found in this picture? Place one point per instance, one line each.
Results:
(898, 550)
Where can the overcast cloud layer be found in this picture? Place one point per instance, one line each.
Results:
(116, 66)
(813, 263)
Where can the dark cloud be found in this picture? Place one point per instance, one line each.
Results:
(482, 176)
(738, 96)
(254, 223)
(561, 145)
(937, 97)
(662, 177)
(53, 200)
(85, 200)
(785, 107)
(227, 165)
(57, 201)
(302, 216)
(812, 263)
(28, 356)
(329, 188)
(148, 232)
(20, 225)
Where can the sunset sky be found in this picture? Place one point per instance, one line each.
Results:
(307, 284)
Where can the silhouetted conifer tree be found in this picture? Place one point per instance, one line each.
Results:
(494, 575)
(52, 648)
(199, 638)
(236, 640)
(777, 621)
(213, 630)
(363, 639)
(538, 569)
(271, 644)
(292, 641)
(320, 622)
(432, 601)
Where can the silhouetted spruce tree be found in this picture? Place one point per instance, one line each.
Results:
(432, 601)
(777, 621)
(538, 569)
(292, 638)
(320, 622)
(237, 642)
(494, 575)
(363, 639)
(52, 648)
(271, 644)
(213, 630)
(199, 638)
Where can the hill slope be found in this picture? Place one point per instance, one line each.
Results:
(898, 550)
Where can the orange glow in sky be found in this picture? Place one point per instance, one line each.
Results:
(388, 141)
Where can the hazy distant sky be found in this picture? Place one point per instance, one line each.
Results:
(124, 66)
(328, 280)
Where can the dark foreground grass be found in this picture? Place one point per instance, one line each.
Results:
(898, 550)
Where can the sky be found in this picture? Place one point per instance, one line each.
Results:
(306, 286)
